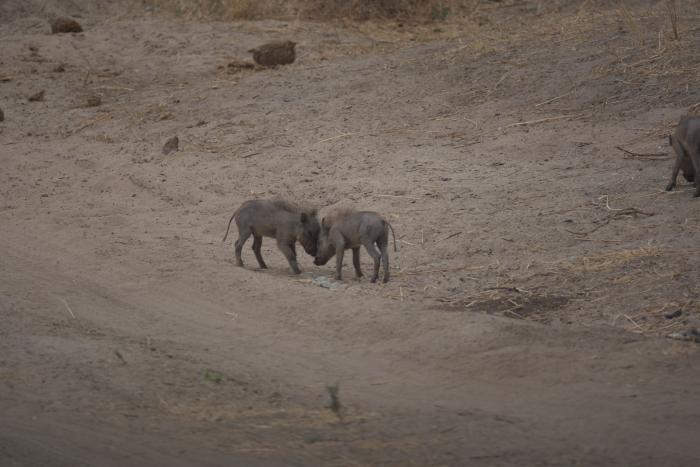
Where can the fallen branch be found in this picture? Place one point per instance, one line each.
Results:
(548, 101)
(632, 154)
(68, 308)
(451, 236)
(398, 196)
(541, 120)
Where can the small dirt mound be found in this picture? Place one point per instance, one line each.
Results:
(171, 145)
(237, 66)
(274, 53)
(37, 97)
(93, 100)
(63, 25)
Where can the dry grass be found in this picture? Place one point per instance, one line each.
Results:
(612, 259)
(421, 10)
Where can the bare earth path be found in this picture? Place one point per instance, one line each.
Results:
(525, 321)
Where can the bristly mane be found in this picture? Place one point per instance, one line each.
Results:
(335, 213)
(290, 206)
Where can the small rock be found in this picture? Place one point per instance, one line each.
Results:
(274, 53)
(673, 314)
(323, 282)
(93, 100)
(62, 25)
(691, 335)
(172, 145)
(39, 96)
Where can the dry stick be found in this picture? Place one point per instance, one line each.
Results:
(672, 6)
(541, 120)
(583, 239)
(68, 308)
(583, 6)
(657, 155)
(82, 55)
(511, 289)
(398, 196)
(334, 137)
(505, 75)
(630, 22)
(553, 99)
(451, 236)
(634, 322)
(607, 203)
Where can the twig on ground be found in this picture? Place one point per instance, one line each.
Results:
(541, 120)
(634, 322)
(451, 236)
(89, 65)
(68, 308)
(344, 135)
(631, 154)
(397, 196)
(512, 289)
(548, 101)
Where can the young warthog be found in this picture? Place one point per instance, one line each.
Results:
(281, 220)
(348, 229)
(686, 143)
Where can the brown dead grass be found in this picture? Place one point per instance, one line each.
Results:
(611, 259)
(421, 10)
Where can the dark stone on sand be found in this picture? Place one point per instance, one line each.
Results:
(93, 100)
(62, 25)
(171, 145)
(274, 53)
(39, 96)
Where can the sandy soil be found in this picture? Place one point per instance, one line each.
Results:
(526, 319)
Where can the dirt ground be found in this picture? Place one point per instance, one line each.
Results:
(540, 268)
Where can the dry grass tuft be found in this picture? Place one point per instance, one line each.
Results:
(672, 7)
(416, 10)
(612, 259)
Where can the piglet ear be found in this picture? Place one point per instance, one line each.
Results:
(304, 218)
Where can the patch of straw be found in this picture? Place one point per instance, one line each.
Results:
(609, 260)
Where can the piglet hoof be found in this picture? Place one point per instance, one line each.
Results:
(374, 280)
(696, 194)
(385, 280)
(239, 264)
(669, 187)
